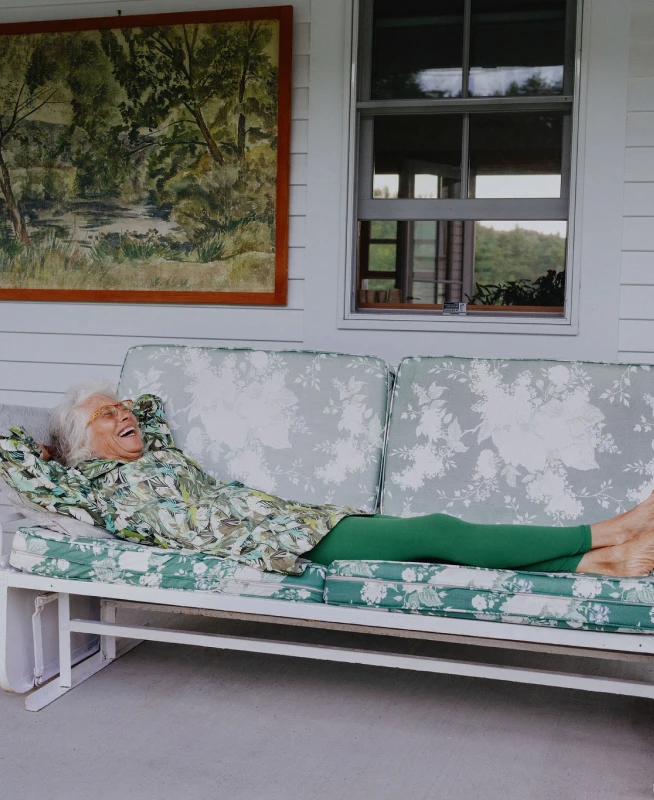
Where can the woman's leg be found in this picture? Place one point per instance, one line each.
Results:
(440, 538)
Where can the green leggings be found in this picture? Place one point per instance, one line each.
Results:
(439, 538)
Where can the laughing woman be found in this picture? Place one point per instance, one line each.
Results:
(117, 466)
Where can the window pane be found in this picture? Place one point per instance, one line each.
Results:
(515, 155)
(417, 156)
(517, 47)
(417, 49)
(428, 261)
(520, 263)
(504, 263)
(381, 258)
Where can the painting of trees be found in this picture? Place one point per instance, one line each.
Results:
(146, 159)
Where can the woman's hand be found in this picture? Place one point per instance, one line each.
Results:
(45, 453)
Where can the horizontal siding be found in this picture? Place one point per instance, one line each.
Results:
(641, 61)
(639, 200)
(219, 322)
(638, 233)
(627, 357)
(636, 332)
(641, 91)
(46, 347)
(642, 21)
(639, 164)
(636, 302)
(92, 349)
(637, 269)
(637, 336)
(640, 129)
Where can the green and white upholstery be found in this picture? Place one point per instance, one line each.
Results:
(111, 560)
(299, 425)
(536, 442)
(581, 602)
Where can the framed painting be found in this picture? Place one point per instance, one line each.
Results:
(146, 158)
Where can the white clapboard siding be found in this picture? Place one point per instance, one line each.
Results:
(636, 302)
(68, 348)
(641, 61)
(641, 91)
(636, 330)
(642, 21)
(627, 357)
(44, 347)
(219, 322)
(39, 399)
(639, 200)
(640, 128)
(639, 164)
(637, 336)
(638, 233)
(638, 269)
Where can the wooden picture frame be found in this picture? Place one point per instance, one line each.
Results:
(181, 121)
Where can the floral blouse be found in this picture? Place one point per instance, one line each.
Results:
(165, 499)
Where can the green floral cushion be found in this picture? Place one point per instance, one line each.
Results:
(44, 552)
(299, 425)
(535, 442)
(586, 602)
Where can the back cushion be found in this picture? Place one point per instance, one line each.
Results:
(539, 442)
(303, 426)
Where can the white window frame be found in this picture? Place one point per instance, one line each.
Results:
(476, 322)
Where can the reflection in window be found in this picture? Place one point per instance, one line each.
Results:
(517, 47)
(420, 155)
(509, 186)
(418, 49)
(494, 263)
(516, 152)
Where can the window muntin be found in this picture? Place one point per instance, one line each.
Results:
(441, 170)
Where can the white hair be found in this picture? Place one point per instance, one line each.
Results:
(68, 423)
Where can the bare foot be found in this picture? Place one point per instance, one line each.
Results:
(621, 529)
(633, 559)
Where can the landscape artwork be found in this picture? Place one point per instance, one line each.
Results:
(146, 158)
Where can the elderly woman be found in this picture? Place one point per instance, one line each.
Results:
(120, 469)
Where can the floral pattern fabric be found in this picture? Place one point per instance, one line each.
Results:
(581, 602)
(165, 499)
(55, 555)
(300, 425)
(547, 443)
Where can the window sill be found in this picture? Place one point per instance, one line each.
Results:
(521, 320)
(506, 311)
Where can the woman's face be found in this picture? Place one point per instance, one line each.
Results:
(113, 437)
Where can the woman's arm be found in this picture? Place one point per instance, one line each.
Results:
(150, 415)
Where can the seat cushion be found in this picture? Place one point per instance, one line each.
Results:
(299, 425)
(50, 553)
(538, 442)
(585, 602)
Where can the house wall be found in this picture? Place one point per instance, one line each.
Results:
(636, 339)
(45, 347)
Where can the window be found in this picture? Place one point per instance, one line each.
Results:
(464, 119)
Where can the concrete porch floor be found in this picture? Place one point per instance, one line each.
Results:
(167, 722)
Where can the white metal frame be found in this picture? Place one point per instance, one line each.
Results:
(603, 646)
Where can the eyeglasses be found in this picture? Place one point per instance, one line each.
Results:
(109, 411)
